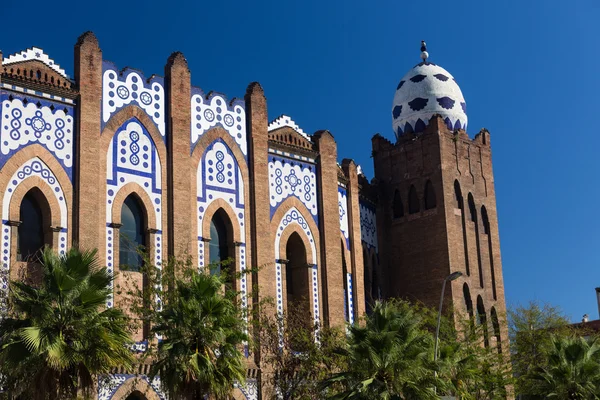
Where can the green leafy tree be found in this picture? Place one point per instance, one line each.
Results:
(292, 360)
(58, 335)
(530, 330)
(389, 357)
(572, 371)
(203, 332)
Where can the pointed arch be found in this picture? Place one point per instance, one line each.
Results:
(472, 208)
(297, 278)
(413, 200)
(221, 248)
(430, 198)
(137, 385)
(397, 206)
(482, 319)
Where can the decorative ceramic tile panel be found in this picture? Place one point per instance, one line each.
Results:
(28, 120)
(343, 209)
(109, 384)
(292, 178)
(132, 157)
(130, 87)
(368, 225)
(250, 389)
(350, 298)
(214, 110)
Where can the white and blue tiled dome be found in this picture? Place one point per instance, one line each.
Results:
(425, 90)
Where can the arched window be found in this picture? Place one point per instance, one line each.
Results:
(472, 209)
(496, 328)
(413, 200)
(296, 277)
(132, 234)
(430, 200)
(482, 319)
(458, 195)
(461, 206)
(398, 206)
(136, 395)
(468, 301)
(31, 237)
(486, 229)
(220, 247)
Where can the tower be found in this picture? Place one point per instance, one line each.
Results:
(437, 205)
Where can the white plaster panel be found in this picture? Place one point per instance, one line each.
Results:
(215, 111)
(119, 90)
(291, 178)
(24, 124)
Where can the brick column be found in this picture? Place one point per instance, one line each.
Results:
(358, 273)
(88, 209)
(181, 214)
(332, 280)
(261, 240)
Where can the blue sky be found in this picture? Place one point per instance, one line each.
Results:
(527, 69)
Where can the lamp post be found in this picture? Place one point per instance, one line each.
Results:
(453, 276)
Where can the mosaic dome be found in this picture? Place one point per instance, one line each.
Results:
(425, 90)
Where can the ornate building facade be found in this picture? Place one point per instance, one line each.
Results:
(111, 154)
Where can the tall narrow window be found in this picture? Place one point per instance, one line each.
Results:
(132, 235)
(296, 278)
(486, 229)
(468, 301)
(460, 204)
(220, 247)
(473, 212)
(430, 200)
(398, 206)
(482, 319)
(31, 229)
(413, 201)
(496, 327)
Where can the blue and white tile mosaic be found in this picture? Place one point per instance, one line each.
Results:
(292, 178)
(132, 157)
(130, 87)
(47, 123)
(349, 299)
(284, 120)
(214, 110)
(34, 54)
(250, 389)
(109, 384)
(219, 176)
(368, 225)
(425, 90)
(294, 216)
(343, 209)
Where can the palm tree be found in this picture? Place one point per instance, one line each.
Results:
(388, 357)
(572, 372)
(58, 336)
(203, 332)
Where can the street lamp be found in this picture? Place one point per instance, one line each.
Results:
(452, 277)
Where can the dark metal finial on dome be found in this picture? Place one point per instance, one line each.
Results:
(424, 53)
